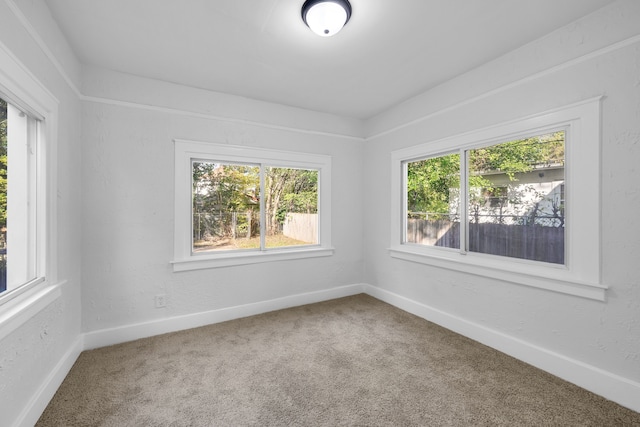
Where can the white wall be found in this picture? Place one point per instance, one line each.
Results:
(116, 183)
(32, 355)
(128, 196)
(599, 55)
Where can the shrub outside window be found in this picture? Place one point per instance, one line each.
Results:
(239, 205)
(517, 202)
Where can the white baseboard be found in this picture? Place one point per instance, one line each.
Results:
(36, 406)
(610, 386)
(122, 334)
(39, 401)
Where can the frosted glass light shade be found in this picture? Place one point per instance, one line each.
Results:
(326, 17)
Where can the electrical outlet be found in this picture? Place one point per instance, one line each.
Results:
(161, 301)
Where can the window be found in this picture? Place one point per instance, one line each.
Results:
(239, 205)
(18, 201)
(511, 202)
(494, 197)
(28, 118)
(513, 205)
(433, 192)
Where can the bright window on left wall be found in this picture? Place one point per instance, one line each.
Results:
(28, 195)
(21, 224)
(242, 205)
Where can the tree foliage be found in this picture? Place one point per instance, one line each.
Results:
(432, 183)
(518, 156)
(289, 190)
(227, 188)
(429, 182)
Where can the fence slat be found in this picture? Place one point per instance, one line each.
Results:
(532, 242)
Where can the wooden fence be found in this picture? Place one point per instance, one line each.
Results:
(303, 227)
(532, 242)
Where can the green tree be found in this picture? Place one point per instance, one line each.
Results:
(510, 158)
(518, 156)
(301, 195)
(430, 181)
(433, 184)
(219, 187)
(222, 191)
(289, 190)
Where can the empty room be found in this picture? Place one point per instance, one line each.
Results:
(320, 212)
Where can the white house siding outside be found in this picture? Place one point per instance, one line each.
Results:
(532, 198)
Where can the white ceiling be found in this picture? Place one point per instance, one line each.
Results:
(389, 51)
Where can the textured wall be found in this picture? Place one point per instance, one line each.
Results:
(543, 75)
(116, 184)
(30, 353)
(128, 206)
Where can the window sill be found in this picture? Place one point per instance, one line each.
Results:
(230, 259)
(479, 266)
(15, 312)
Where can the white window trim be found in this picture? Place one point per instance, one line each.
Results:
(186, 150)
(580, 275)
(22, 89)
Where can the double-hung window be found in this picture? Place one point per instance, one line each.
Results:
(517, 202)
(28, 117)
(239, 205)
(18, 198)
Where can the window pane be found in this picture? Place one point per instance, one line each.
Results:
(226, 206)
(291, 204)
(18, 205)
(516, 199)
(3, 195)
(433, 196)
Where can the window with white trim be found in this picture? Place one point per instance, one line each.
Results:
(239, 205)
(28, 128)
(18, 198)
(518, 202)
(512, 205)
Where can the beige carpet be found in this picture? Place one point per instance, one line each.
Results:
(349, 362)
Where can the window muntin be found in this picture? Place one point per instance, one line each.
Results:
(579, 192)
(19, 187)
(286, 194)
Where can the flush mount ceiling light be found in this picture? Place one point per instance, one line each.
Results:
(326, 17)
